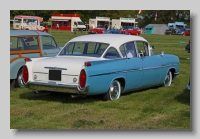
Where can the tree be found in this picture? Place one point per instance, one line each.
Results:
(145, 18)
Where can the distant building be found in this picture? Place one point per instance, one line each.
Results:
(155, 29)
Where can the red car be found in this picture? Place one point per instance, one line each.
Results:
(186, 32)
(133, 31)
(123, 30)
(97, 30)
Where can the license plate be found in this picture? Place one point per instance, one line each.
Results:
(55, 75)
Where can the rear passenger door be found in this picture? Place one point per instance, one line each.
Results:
(49, 46)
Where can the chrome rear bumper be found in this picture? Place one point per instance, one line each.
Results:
(52, 87)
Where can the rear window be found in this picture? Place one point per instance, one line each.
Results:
(91, 49)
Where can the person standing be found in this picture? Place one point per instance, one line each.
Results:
(57, 26)
(106, 26)
(115, 26)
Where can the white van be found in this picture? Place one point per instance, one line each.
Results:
(23, 22)
(78, 24)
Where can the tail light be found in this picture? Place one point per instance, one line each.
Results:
(25, 74)
(27, 59)
(82, 78)
(87, 64)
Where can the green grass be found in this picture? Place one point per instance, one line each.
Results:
(156, 108)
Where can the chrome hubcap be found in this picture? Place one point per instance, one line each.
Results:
(168, 80)
(20, 80)
(115, 90)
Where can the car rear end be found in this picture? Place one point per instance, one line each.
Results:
(55, 74)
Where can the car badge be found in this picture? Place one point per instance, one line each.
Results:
(74, 80)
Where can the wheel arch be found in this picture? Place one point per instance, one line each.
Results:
(107, 95)
(15, 67)
(172, 71)
(122, 82)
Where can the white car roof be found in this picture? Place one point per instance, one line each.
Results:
(108, 38)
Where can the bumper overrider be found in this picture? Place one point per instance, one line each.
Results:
(65, 88)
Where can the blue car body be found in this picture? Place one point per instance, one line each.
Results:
(106, 64)
(137, 73)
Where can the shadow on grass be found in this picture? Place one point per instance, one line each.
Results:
(59, 97)
(141, 90)
(184, 97)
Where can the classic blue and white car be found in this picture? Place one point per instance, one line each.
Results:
(106, 64)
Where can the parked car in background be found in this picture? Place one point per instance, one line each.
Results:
(186, 32)
(124, 28)
(111, 31)
(133, 31)
(28, 43)
(170, 31)
(104, 64)
(98, 30)
(181, 31)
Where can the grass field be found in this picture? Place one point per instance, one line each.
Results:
(165, 108)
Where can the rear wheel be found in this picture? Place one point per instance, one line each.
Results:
(114, 91)
(19, 82)
(168, 79)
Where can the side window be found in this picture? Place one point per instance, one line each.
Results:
(142, 48)
(48, 42)
(76, 48)
(128, 50)
(101, 48)
(23, 43)
(123, 50)
(112, 53)
(92, 47)
(30, 43)
(16, 44)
